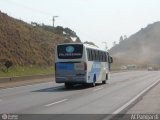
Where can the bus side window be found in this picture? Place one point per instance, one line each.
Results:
(101, 56)
(91, 55)
(103, 60)
(94, 55)
(97, 55)
(105, 55)
(88, 54)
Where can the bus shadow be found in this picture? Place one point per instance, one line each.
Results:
(51, 89)
(63, 89)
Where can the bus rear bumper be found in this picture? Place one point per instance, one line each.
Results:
(70, 79)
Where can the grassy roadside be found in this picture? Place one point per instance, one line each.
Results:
(29, 71)
(26, 71)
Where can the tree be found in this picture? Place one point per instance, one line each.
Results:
(70, 32)
(8, 64)
(121, 39)
(59, 30)
(78, 40)
(125, 37)
(114, 43)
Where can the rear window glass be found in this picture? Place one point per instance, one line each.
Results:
(69, 51)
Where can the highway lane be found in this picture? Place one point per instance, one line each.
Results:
(53, 98)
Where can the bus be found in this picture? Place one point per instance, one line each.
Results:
(79, 63)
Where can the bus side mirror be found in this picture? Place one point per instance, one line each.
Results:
(110, 60)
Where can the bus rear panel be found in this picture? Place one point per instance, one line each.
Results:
(70, 65)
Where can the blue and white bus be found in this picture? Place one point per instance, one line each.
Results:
(77, 63)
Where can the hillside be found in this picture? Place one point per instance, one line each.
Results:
(30, 44)
(141, 48)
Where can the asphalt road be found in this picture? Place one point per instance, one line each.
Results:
(51, 98)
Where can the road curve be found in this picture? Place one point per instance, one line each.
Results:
(52, 98)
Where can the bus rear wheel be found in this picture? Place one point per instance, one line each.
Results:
(105, 81)
(68, 85)
(94, 81)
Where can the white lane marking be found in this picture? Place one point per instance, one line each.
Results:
(98, 89)
(56, 102)
(133, 99)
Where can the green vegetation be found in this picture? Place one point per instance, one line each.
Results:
(26, 71)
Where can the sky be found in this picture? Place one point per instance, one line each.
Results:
(96, 21)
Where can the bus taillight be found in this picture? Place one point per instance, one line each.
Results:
(85, 66)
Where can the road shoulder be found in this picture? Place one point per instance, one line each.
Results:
(150, 103)
(20, 81)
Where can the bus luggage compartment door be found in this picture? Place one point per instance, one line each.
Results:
(70, 72)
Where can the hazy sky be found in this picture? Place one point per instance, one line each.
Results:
(93, 20)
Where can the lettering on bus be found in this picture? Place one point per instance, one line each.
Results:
(69, 54)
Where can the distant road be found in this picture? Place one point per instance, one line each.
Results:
(52, 98)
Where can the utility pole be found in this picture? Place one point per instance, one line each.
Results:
(54, 19)
(105, 43)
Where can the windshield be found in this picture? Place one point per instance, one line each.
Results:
(70, 51)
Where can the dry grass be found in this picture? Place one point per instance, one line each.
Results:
(26, 45)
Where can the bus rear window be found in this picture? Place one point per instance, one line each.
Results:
(69, 51)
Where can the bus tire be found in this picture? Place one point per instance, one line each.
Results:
(68, 85)
(94, 81)
(105, 81)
